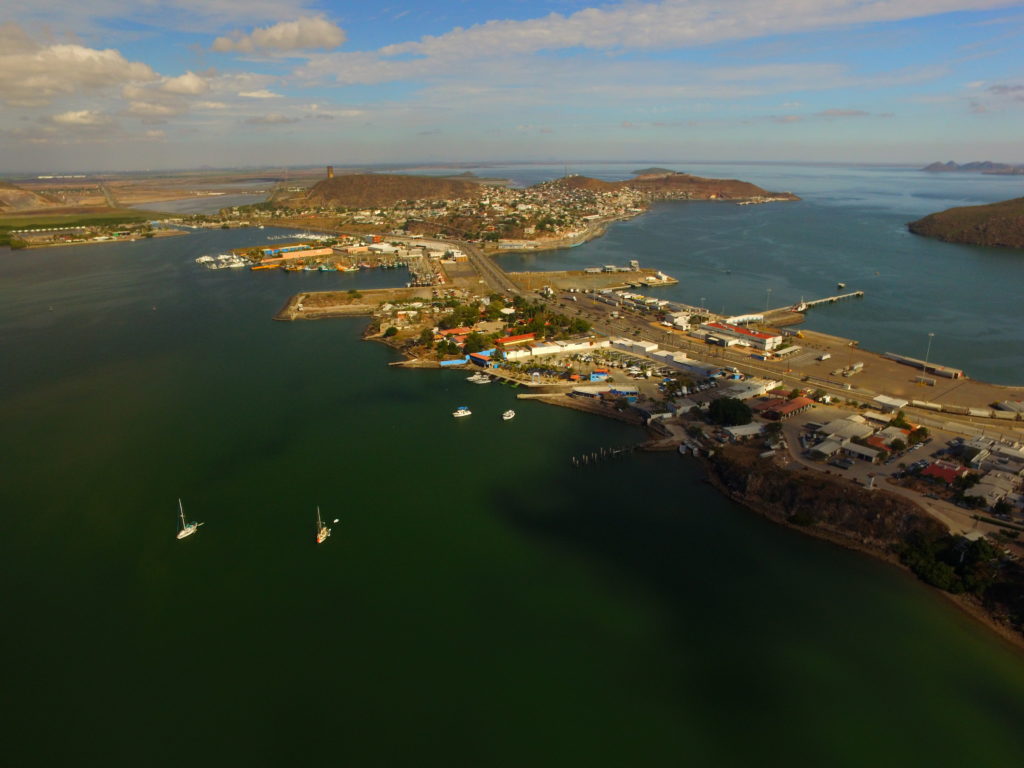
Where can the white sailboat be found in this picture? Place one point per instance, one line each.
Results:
(322, 531)
(187, 529)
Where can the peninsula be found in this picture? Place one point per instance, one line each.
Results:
(998, 224)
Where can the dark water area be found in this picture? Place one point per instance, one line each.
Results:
(479, 602)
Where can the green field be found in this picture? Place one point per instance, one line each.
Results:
(105, 218)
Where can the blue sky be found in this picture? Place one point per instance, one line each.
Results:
(109, 84)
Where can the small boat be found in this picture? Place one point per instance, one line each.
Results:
(508, 415)
(461, 411)
(322, 531)
(479, 378)
(187, 529)
(840, 286)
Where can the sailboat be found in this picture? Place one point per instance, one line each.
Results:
(322, 531)
(187, 529)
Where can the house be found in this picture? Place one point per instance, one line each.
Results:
(848, 428)
(946, 471)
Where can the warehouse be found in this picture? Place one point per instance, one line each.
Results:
(758, 339)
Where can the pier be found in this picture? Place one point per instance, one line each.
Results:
(803, 306)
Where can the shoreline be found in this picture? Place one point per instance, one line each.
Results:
(970, 607)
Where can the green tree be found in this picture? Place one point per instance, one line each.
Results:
(391, 331)
(426, 337)
(475, 342)
(898, 445)
(794, 393)
(730, 412)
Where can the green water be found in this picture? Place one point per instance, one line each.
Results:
(480, 602)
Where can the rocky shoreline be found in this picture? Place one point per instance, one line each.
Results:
(873, 522)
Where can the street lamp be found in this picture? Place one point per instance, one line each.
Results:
(928, 351)
(767, 300)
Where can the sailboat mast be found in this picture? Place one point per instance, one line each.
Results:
(181, 510)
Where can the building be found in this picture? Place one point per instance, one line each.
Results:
(890, 404)
(946, 471)
(758, 339)
(781, 408)
(847, 429)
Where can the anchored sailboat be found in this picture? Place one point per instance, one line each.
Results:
(187, 529)
(322, 531)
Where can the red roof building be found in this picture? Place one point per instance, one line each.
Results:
(946, 471)
(759, 339)
(521, 338)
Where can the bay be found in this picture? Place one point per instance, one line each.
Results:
(479, 601)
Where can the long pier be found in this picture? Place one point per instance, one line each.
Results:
(803, 306)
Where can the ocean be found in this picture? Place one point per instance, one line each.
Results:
(480, 601)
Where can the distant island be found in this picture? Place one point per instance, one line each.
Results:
(982, 166)
(997, 224)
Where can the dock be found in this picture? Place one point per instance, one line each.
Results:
(803, 306)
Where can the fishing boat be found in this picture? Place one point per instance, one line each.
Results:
(322, 531)
(187, 529)
(479, 378)
(461, 411)
(508, 415)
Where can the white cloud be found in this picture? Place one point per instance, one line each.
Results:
(189, 84)
(306, 33)
(274, 118)
(81, 118)
(666, 25)
(149, 109)
(263, 93)
(33, 74)
(210, 105)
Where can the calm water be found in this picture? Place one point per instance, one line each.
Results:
(850, 227)
(480, 602)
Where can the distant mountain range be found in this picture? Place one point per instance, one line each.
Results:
(996, 224)
(982, 166)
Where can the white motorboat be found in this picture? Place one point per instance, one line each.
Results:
(461, 411)
(508, 415)
(187, 529)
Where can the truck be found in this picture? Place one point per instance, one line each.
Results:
(824, 356)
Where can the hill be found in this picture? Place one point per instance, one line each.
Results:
(997, 224)
(982, 166)
(369, 190)
(671, 184)
(14, 198)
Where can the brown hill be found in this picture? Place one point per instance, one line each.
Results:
(368, 190)
(997, 224)
(14, 198)
(670, 184)
(697, 187)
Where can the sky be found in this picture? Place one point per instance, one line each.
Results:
(158, 84)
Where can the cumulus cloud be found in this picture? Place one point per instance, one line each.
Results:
(305, 33)
(189, 84)
(33, 74)
(263, 93)
(670, 24)
(81, 118)
(274, 118)
(149, 109)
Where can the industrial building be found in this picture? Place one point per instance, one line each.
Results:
(758, 339)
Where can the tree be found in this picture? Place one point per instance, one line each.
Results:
(475, 342)
(730, 412)
(391, 331)
(918, 435)
(793, 394)
(898, 445)
(773, 430)
(426, 337)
